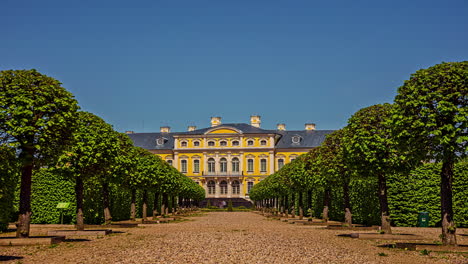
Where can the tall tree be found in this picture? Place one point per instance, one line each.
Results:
(371, 151)
(430, 122)
(90, 156)
(333, 165)
(37, 117)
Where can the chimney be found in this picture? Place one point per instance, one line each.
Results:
(309, 126)
(215, 121)
(129, 132)
(165, 129)
(281, 127)
(191, 128)
(255, 120)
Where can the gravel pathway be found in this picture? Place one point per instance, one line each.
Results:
(224, 237)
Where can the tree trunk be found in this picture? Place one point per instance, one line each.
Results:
(155, 205)
(79, 204)
(309, 203)
(174, 205)
(24, 218)
(448, 224)
(133, 206)
(164, 207)
(286, 206)
(107, 212)
(347, 203)
(293, 205)
(145, 205)
(384, 210)
(301, 206)
(326, 204)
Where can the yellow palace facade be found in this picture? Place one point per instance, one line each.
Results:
(229, 159)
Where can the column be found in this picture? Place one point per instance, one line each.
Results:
(176, 160)
(241, 189)
(205, 164)
(241, 163)
(229, 188)
(271, 161)
(229, 164)
(217, 188)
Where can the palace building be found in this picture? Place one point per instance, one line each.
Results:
(229, 159)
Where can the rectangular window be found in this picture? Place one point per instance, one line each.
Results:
(183, 167)
(250, 165)
(280, 163)
(196, 166)
(263, 165)
(249, 186)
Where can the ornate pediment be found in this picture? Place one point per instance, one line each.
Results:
(223, 130)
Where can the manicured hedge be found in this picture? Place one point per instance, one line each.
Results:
(50, 188)
(420, 192)
(408, 195)
(8, 182)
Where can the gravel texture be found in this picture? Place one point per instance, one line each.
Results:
(227, 237)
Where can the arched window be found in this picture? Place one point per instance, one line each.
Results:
(196, 143)
(249, 186)
(235, 143)
(183, 166)
(223, 165)
(235, 187)
(263, 142)
(250, 143)
(196, 166)
(211, 187)
(223, 143)
(280, 163)
(211, 165)
(263, 165)
(235, 165)
(183, 144)
(211, 143)
(223, 187)
(250, 165)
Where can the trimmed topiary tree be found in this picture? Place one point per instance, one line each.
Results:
(430, 123)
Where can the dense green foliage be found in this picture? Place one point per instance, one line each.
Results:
(37, 117)
(8, 182)
(430, 122)
(430, 117)
(420, 192)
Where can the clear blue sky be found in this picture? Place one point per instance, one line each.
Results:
(144, 64)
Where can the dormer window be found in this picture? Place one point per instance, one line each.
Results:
(211, 143)
(183, 144)
(263, 142)
(223, 143)
(160, 141)
(250, 143)
(296, 139)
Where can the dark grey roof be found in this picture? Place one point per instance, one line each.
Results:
(307, 139)
(148, 140)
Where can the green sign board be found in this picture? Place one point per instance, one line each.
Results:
(63, 205)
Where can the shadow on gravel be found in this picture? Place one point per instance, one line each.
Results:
(8, 258)
(344, 235)
(117, 232)
(76, 240)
